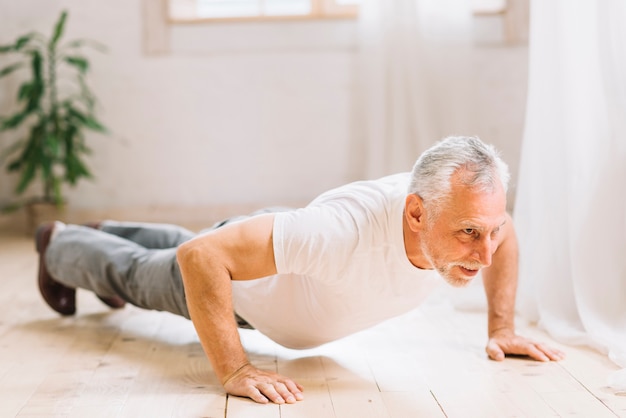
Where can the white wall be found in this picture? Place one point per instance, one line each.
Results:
(230, 117)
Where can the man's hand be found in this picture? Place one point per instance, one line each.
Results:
(505, 341)
(262, 386)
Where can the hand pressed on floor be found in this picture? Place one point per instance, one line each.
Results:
(504, 342)
(262, 386)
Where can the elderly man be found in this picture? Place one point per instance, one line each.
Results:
(354, 257)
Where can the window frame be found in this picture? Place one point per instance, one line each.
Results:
(183, 12)
(158, 21)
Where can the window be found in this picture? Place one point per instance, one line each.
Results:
(171, 23)
(181, 11)
(211, 10)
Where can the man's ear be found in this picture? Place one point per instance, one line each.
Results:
(414, 212)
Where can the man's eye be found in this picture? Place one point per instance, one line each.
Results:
(468, 231)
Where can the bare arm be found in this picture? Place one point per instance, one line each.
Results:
(500, 281)
(240, 251)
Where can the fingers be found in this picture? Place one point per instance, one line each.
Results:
(550, 353)
(255, 395)
(541, 352)
(535, 353)
(498, 347)
(295, 389)
(493, 351)
(278, 393)
(264, 387)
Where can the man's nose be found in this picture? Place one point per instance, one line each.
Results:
(484, 250)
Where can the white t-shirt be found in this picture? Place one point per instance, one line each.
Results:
(342, 267)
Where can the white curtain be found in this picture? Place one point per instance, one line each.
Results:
(412, 81)
(570, 209)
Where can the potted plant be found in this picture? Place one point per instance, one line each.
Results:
(55, 107)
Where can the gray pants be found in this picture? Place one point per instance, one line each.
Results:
(136, 261)
(132, 260)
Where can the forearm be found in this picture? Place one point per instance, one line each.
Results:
(209, 299)
(239, 251)
(500, 282)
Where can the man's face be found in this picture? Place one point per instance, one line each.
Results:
(462, 238)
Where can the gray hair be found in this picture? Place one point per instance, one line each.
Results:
(432, 172)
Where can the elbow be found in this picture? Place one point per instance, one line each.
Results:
(187, 257)
(183, 251)
(198, 258)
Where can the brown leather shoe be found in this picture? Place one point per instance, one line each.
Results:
(58, 296)
(114, 302)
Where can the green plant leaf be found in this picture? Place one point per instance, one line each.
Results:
(25, 90)
(58, 29)
(86, 96)
(14, 165)
(51, 147)
(74, 166)
(69, 139)
(75, 169)
(36, 64)
(87, 121)
(13, 121)
(11, 149)
(87, 42)
(94, 125)
(79, 62)
(27, 156)
(28, 175)
(32, 92)
(22, 41)
(9, 69)
(73, 113)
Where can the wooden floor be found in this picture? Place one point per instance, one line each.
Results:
(136, 363)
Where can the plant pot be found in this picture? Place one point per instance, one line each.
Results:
(39, 212)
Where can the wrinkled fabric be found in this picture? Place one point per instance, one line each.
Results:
(413, 83)
(570, 208)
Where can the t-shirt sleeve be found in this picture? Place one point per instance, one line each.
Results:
(314, 241)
